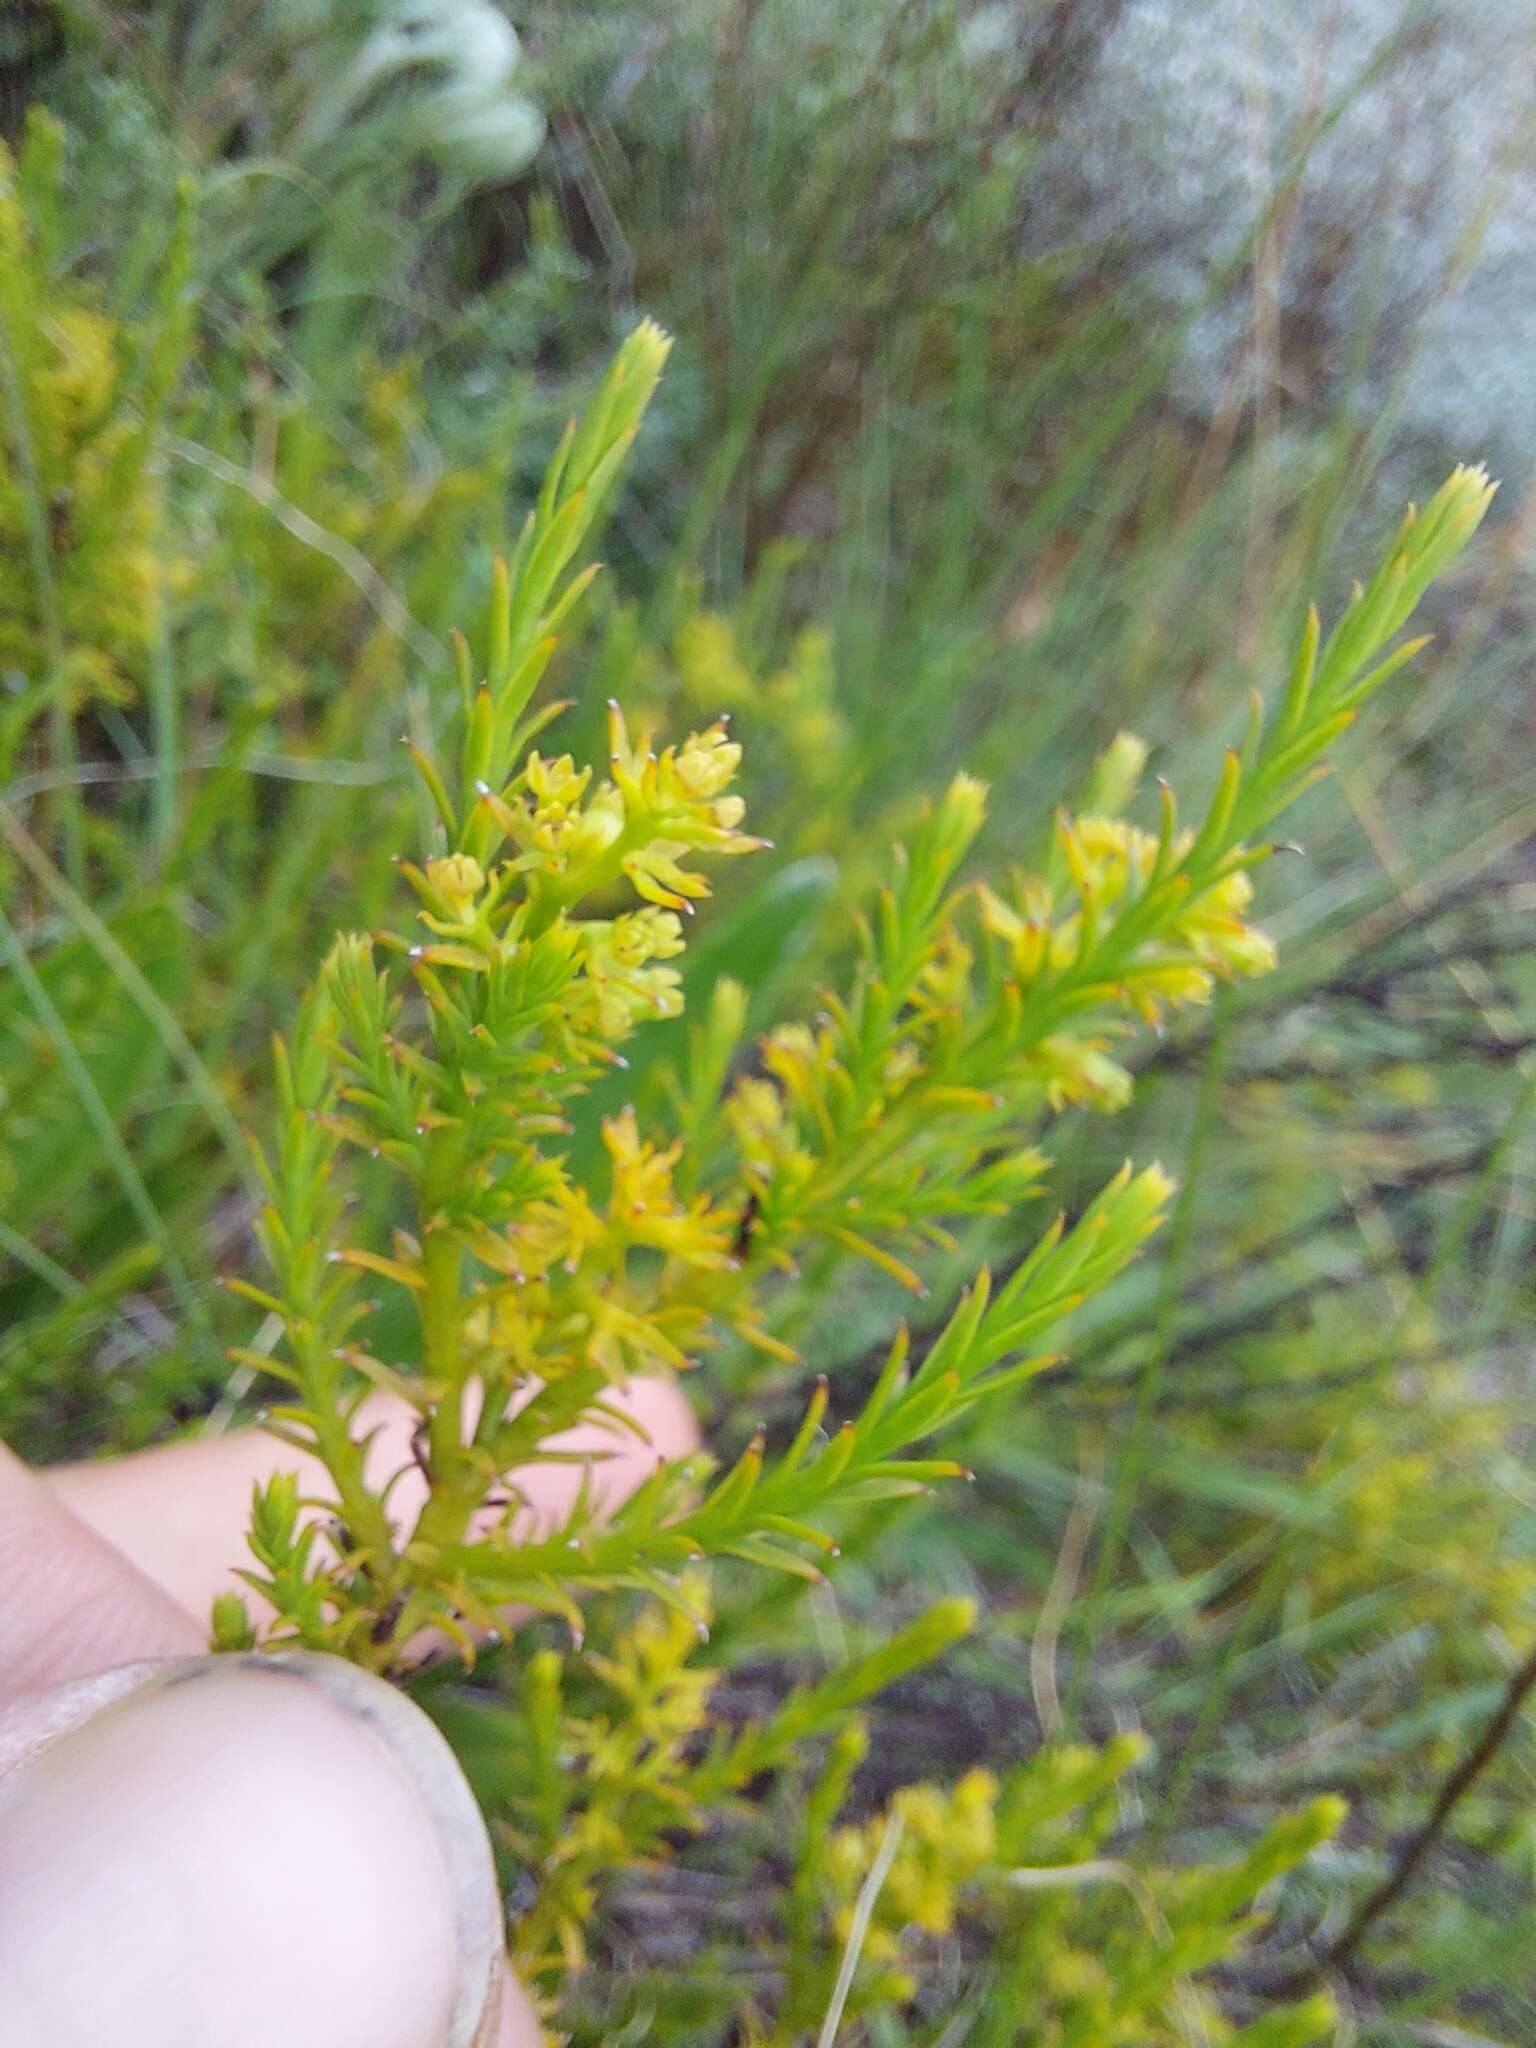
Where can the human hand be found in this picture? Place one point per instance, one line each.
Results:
(201, 1852)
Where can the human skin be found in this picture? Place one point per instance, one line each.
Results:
(240, 1851)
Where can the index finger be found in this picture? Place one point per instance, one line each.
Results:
(71, 1604)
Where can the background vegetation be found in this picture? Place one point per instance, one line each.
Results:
(953, 469)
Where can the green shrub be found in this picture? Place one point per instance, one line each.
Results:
(443, 1067)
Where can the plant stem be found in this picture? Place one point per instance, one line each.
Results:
(1418, 1846)
(441, 1331)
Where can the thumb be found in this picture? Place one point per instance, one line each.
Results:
(247, 1850)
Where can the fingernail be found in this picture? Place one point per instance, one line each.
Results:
(220, 1848)
(433, 1770)
(29, 1724)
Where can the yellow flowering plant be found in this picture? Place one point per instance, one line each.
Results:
(82, 396)
(1092, 1952)
(432, 1229)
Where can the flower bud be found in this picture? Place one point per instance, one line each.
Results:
(458, 878)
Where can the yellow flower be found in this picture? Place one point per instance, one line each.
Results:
(458, 879)
(555, 789)
(643, 1204)
(704, 765)
(557, 1231)
(672, 802)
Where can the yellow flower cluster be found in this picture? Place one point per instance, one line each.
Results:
(948, 1837)
(1425, 1510)
(577, 1296)
(624, 984)
(98, 513)
(674, 802)
(556, 826)
(630, 1759)
(574, 842)
(1047, 928)
(1085, 1944)
(635, 824)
